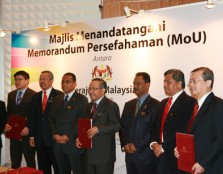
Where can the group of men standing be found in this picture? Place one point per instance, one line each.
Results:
(147, 127)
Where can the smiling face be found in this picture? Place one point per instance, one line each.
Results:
(95, 91)
(45, 81)
(197, 85)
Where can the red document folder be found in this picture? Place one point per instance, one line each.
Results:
(185, 146)
(18, 123)
(84, 125)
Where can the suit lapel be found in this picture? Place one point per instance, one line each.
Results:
(101, 104)
(70, 102)
(100, 107)
(202, 111)
(26, 93)
(49, 100)
(176, 104)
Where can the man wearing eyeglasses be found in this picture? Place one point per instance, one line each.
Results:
(137, 118)
(66, 109)
(207, 125)
(173, 116)
(19, 103)
(40, 134)
(105, 124)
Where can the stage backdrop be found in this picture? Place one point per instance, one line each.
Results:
(115, 49)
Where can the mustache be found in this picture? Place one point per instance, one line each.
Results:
(134, 89)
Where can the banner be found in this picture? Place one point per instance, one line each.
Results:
(116, 49)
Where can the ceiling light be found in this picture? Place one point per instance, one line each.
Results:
(46, 26)
(210, 4)
(2, 33)
(128, 11)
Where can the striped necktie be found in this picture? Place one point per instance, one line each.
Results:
(19, 98)
(137, 106)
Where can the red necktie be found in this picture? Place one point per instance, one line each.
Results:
(165, 112)
(196, 106)
(44, 101)
(93, 111)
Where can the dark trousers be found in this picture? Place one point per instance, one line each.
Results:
(134, 167)
(167, 164)
(69, 159)
(46, 160)
(19, 148)
(107, 168)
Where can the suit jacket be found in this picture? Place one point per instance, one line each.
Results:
(63, 120)
(137, 129)
(208, 134)
(2, 119)
(39, 124)
(107, 119)
(176, 121)
(24, 107)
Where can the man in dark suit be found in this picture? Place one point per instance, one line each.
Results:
(105, 123)
(207, 125)
(40, 134)
(136, 121)
(171, 120)
(2, 122)
(66, 109)
(19, 103)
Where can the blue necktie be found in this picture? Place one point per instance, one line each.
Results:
(66, 100)
(19, 98)
(137, 106)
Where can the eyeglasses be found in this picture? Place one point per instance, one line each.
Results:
(19, 79)
(194, 81)
(93, 88)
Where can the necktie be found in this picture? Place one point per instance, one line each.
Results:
(137, 106)
(19, 98)
(196, 106)
(165, 112)
(66, 100)
(93, 110)
(44, 101)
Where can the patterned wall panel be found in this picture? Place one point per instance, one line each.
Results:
(27, 14)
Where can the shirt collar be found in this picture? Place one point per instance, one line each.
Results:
(22, 90)
(47, 91)
(98, 101)
(202, 99)
(143, 98)
(175, 96)
(70, 94)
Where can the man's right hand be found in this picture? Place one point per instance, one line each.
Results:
(157, 149)
(127, 148)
